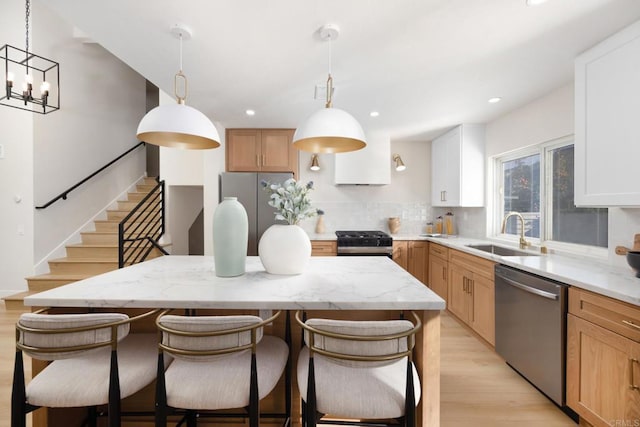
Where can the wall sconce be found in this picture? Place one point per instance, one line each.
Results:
(315, 165)
(399, 163)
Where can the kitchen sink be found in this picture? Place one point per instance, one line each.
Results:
(500, 250)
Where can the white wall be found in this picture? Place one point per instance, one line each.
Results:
(16, 173)
(545, 119)
(368, 207)
(102, 101)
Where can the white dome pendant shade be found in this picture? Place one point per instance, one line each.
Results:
(329, 130)
(178, 125)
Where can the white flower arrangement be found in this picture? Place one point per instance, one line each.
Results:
(291, 200)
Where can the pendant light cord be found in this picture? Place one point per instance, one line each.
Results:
(329, 79)
(180, 75)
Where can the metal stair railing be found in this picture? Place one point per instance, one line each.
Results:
(65, 193)
(140, 231)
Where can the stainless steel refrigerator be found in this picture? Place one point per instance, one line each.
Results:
(247, 188)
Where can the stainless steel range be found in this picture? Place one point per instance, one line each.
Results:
(363, 243)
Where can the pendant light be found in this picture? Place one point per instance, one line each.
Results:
(329, 130)
(178, 125)
(31, 82)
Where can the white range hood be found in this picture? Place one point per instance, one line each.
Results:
(368, 166)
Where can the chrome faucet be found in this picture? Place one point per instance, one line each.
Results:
(523, 242)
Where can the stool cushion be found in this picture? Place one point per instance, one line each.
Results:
(376, 391)
(223, 382)
(84, 380)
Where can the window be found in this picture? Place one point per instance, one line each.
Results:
(538, 183)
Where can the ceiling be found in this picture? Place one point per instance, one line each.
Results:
(424, 65)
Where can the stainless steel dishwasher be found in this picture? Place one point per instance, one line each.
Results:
(531, 314)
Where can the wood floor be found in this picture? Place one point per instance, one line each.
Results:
(477, 388)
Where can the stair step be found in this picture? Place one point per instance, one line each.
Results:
(119, 215)
(107, 225)
(126, 205)
(137, 196)
(15, 302)
(145, 188)
(44, 282)
(89, 266)
(83, 250)
(99, 237)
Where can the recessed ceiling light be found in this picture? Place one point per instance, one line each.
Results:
(535, 2)
(494, 100)
(250, 113)
(374, 114)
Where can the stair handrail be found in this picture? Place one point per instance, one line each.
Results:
(64, 194)
(152, 228)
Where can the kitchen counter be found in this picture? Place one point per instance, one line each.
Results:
(367, 283)
(328, 283)
(612, 281)
(615, 282)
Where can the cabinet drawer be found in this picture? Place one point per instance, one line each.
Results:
(324, 248)
(478, 265)
(609, 313)
(439, 251)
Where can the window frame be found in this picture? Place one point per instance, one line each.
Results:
(545, 151)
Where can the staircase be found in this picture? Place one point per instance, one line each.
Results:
(98, 252)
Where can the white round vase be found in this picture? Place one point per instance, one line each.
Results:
(284, 249)
(230, 237)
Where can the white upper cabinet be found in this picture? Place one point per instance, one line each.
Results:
(607, 134)
(457, 167)
(370, 165)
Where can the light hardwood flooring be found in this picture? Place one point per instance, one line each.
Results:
(477, 388)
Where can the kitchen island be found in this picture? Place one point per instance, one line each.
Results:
(346, 286)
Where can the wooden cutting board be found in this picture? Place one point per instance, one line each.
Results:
(636, 242)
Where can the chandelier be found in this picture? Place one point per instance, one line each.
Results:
(34, 71)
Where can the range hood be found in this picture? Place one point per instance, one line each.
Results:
(368, 166)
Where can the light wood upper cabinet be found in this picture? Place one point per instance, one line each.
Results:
(603, 358)
(471, 292)
(457, 167)
(607, 135)
(261, 150)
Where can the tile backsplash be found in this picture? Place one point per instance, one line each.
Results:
(371, 216)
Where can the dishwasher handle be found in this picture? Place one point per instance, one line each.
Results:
(531, 290)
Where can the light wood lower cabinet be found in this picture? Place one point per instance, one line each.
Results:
(471, 292)
(603, 359)
(418, 260)
(400, 253)
(413, 256)
(439, 270)
(324, 248)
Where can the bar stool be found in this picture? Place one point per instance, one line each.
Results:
(94, 361)
(359, 370)
(220, 362)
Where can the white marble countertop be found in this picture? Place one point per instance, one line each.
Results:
(333, 283)
(612, 281)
